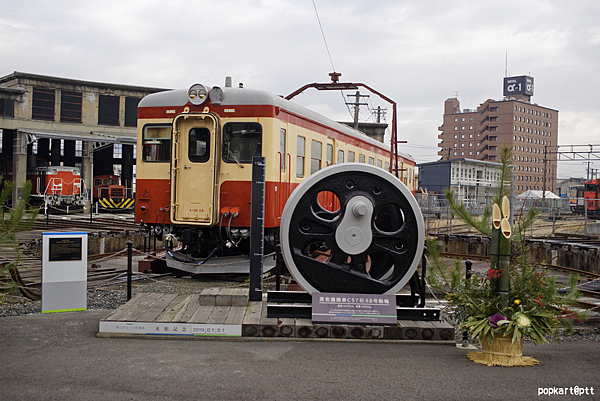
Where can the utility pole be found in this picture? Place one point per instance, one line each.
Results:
(589, 170)
(357, 105)
(379, 112)
(545, 170)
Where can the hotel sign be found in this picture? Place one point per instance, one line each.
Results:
(522, 85)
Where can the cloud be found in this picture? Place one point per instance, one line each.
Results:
(417, 53)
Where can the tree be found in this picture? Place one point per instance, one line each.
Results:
(13, 221)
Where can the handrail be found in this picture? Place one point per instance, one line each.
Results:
(278, 201)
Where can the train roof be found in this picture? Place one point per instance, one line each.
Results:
(255, 97)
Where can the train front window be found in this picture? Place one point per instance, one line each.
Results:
(156, 143)
(199, 144)
(241, 141)
(590, 187)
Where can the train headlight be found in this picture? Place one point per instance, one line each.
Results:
(197, 94)
(216, 95)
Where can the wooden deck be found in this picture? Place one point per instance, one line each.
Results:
(226, 312)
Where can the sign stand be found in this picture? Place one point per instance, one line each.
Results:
(257, 228)
(64, 272)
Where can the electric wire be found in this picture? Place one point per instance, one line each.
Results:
(323, 33)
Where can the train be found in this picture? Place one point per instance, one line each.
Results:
(57, 186)
(194, 165)
(110, 195)
(576, 199)
(62, 188)
(585, 198)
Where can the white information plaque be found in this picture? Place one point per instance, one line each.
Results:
(172, 329)
(64, 272)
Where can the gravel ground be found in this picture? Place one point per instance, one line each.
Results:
(114, 296)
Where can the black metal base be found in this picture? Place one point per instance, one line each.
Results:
(297, 304)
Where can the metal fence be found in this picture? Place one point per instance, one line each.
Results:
(556, 215)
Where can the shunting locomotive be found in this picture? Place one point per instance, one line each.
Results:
(57, 186)
(194, 165)
(585, 198)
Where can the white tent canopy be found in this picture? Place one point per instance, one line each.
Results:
(531, 194)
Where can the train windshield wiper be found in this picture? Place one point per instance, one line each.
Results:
(235, 158)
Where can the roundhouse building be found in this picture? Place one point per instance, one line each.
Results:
(52, 121)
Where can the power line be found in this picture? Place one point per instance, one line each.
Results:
(323, 33)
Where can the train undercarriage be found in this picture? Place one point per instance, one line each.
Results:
(214, 250)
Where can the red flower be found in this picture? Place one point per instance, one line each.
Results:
(493, 274)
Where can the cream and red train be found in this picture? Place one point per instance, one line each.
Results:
(195, 149)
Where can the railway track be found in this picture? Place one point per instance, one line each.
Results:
(96, 224)
(553, 267)
(29, 274)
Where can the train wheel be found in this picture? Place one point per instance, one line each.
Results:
(371, 243)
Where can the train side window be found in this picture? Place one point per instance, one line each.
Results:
(199, 145)
(387, 166)
(241, 141)
(361, 158)
(340, 156)
(156, 143)
(329, 154)
(371, 161)
(350, 157)
(300, 155)
(282, 149)
(379, 163)
(315, 156)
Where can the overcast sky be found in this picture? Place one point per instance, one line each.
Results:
(418, 53)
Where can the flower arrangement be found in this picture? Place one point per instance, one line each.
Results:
(515, 299)
(536, 309)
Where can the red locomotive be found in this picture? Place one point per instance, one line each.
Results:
(110, 195)
(592, 197)
(57, 186)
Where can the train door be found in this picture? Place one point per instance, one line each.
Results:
(195, 169)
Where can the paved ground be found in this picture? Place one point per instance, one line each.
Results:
(58, 357)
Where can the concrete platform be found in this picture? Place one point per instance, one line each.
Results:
(57, 356)
(226, 312)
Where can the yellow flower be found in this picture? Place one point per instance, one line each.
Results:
(517, 302)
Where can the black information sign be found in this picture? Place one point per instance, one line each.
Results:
(376, 309)
(64, 249)
(257, 228)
